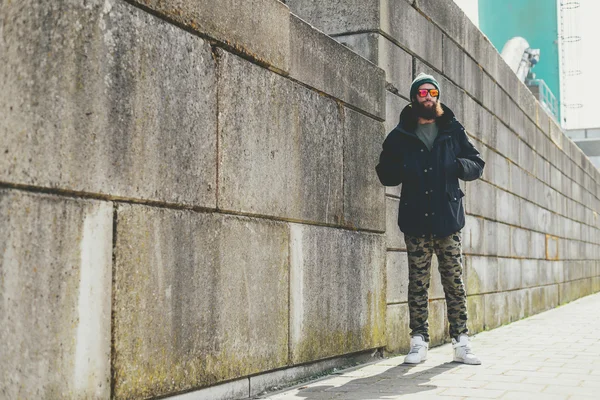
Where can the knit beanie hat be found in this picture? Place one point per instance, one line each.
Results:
(419, 80)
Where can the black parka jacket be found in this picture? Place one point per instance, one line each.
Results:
(431, 199)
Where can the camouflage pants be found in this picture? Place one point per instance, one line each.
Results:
(449, 253)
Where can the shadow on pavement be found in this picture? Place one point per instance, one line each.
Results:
(395, 381)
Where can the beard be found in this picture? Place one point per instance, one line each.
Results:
(428, 112)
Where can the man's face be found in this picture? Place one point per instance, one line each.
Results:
(427, 101)
(426, 106)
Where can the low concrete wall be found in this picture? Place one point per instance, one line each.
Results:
(190, 199)
(532, 238)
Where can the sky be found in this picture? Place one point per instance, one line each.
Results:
(584, 55)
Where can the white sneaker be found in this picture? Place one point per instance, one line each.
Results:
(462, 351)
(418, 350)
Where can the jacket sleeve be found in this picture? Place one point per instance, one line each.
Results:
(471, 164)
(389, 169)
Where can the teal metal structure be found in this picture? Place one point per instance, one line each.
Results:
(534, 20)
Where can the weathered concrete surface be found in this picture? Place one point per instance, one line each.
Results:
(397, 277)
(55, 297)
(319, 61)
(337, 292)
(195, 302)
(405, 25)
(364, 196)
(263, 35)
(337, 16)
(378, 49)
(462, 69)
(415, 33)
(118, 102)
(397, 329)
(285, 156)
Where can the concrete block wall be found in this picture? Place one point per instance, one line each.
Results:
(532, 238)
(190, 202)
(188, 199)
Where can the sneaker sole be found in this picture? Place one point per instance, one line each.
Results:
(415, 363)
(460, 360)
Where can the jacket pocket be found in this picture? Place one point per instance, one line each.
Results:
(454, 194)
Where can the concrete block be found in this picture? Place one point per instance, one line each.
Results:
(55, 302)
(337, 297)
(527, 101)
(542, 119)
(416, 33)
(364, 196)
(397, 329)
(508, 208)
(496, 310)
(516, 118)
(448, 16)
(538, 245)
(338, 16)
(507, 78)
(497, 170)
(490, 96)
(519, 179)
(504, 106)
(530, 130)
(195, 303)
(572, 270)
(473, 235)
(462, 69)
(504, 240)
(475, 313)
(319, 61)
(482, 50)
(556, 134)
(488, 127)
(438, 323)
(544, 298)
(519, 304)
(262, 35)
(509, 274)
(482, 274)
(507, 143)
(471, 119)
(530, 272)
(124, 105)
(482, 199)
(520, 242)
(393, 236)
(376, 48)
(497, 238)
(555, 178)
(526, 157)
(396, 277)
(289, 138)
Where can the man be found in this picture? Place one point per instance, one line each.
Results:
(428, 152)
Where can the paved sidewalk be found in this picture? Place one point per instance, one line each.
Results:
(551, 356)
